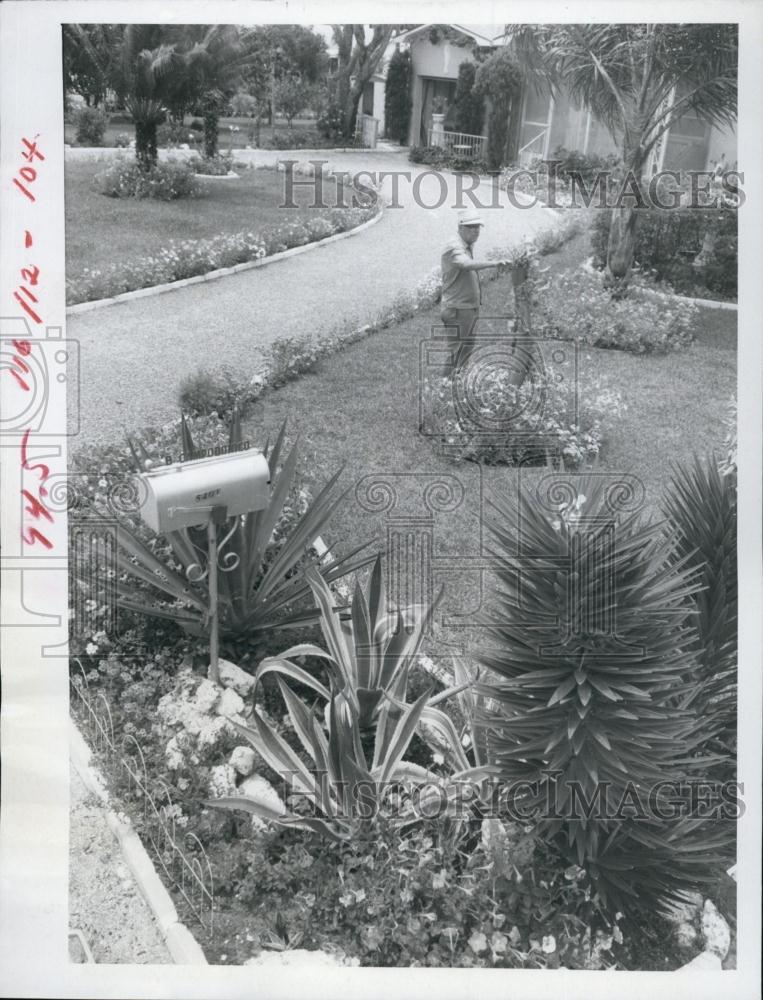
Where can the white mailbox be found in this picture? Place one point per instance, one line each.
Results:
(182, 494)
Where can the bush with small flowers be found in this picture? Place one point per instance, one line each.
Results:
(577, 305)
(476, 414)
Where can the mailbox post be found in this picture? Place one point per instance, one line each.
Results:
(206, 492)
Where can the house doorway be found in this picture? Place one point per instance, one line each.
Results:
(535, 129)
(435, 90)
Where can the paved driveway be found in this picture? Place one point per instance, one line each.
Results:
(134, 355)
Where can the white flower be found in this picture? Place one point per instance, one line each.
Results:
(548, 944)
(91, 649)
(478, 942)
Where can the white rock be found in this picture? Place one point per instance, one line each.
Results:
(230, 703)
(242, 760)
(222, 781)
(684, 912)
(207, 695)
(297, 957)
(232, 676)
(211, 731)
(705, 961)
(686, 935)
(258, 787)
(715, 931)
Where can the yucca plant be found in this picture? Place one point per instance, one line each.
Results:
(263, 584)
(591, 640)
(701, 509)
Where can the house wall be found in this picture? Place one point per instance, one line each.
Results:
(721, 141)
(440, 61)
(378, 111)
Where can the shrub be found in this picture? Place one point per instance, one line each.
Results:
(586, 165)
(294, 139)
(122, 140)
(432, 155)
(171, 134)
(547, 420)
(91, 124)
(470, 105)
(576, 305)
(243, 104)
(197, 125)
(500, 78)
(330, 124)
(205, 393)
(164, 181)
(585, 696)
(397, 96)
(668, 242)
(214, 166)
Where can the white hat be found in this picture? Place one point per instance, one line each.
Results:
(470, 217)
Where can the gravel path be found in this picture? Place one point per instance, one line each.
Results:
(134, 355)
(104, 901)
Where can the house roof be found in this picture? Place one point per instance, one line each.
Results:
(482, 37)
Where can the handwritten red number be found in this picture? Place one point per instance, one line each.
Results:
(33, 535)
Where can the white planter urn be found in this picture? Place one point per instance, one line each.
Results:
(438, 130)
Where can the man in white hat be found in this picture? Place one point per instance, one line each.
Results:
(461, 293)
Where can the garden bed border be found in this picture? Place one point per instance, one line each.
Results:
(223, 272)
(180, 942)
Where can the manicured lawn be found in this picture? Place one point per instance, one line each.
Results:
(101, 230)
(360, 410)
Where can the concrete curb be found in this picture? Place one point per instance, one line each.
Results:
(181, 944)
(223, 272)
(655, 293)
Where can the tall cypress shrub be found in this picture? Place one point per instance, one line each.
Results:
(500, 79)
(470, 106)
(397, 97)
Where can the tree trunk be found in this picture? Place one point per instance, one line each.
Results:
(622, 230)
(210, 134)
(622, 244)
(145, 144)
(523, 353)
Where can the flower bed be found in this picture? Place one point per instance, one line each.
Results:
(215, 240)
(444, 891)
(454, 887)
(181, 259)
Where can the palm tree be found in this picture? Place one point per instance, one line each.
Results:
(215, 59)
(628, 76)
(143, 66)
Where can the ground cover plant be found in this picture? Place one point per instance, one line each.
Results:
(457, 897)
(206, 233)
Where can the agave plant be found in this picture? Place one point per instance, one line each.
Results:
(263, 584)
(700, 506)
(344, 787)
(591, 640)
(368, 654)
